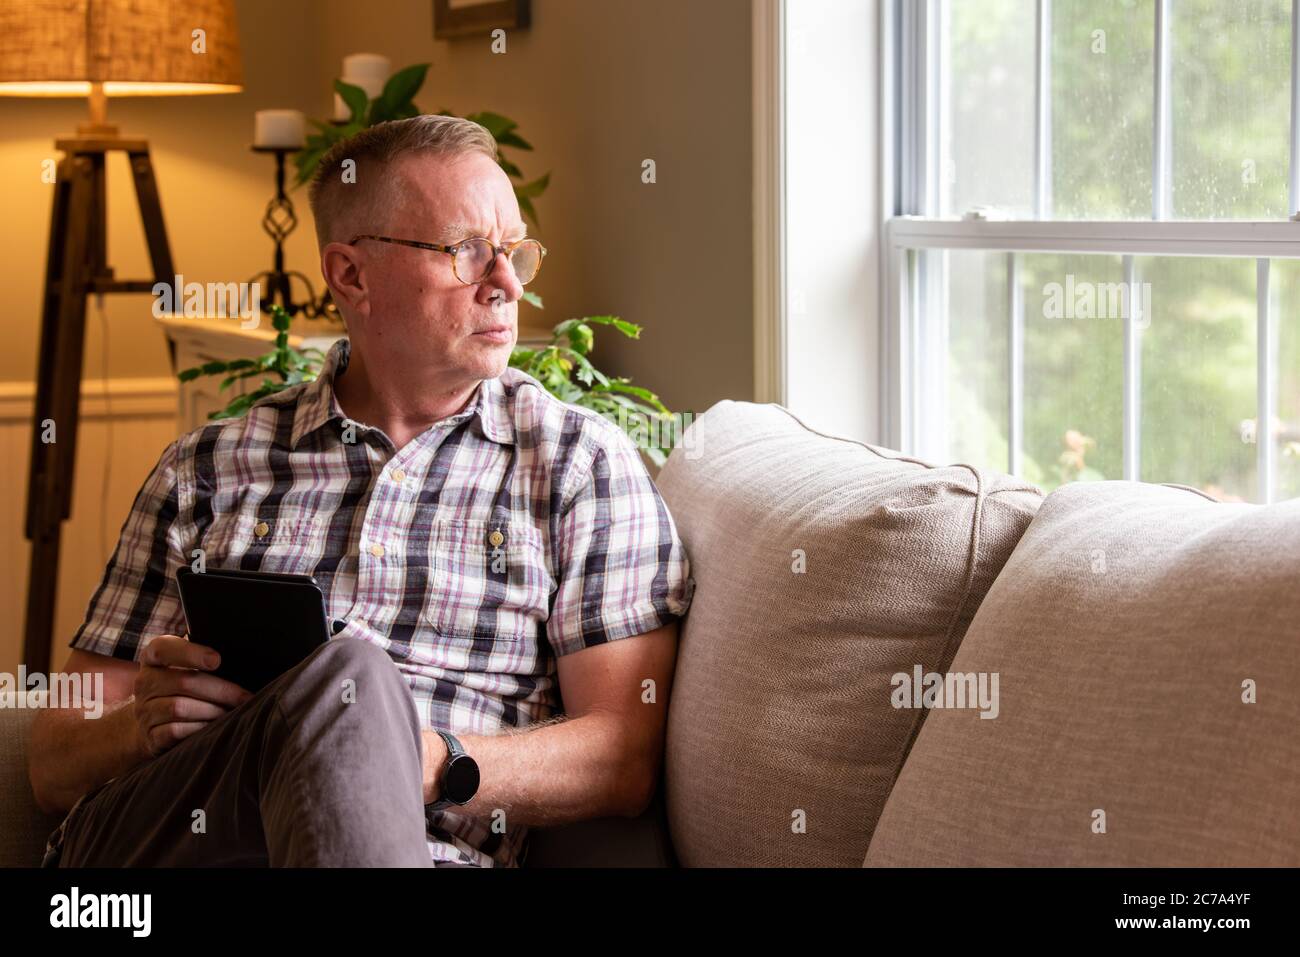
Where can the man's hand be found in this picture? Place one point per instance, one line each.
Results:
(174, 697)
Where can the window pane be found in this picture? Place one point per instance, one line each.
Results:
(1102, 81)
(977, 357)
(1231, 113)
(1198, 374)
(988, 158)
(1286, 289)
(1074, 368)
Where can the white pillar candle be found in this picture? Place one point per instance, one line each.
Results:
(367, 70)
(283, 128)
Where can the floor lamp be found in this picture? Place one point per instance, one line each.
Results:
(95, 49)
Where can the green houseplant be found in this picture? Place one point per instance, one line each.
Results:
(563, 366)
(397, 102)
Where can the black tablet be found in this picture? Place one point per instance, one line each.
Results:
(262, 624)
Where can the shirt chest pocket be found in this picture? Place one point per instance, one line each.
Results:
(488, 580)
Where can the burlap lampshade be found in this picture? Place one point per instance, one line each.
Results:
(133, 47)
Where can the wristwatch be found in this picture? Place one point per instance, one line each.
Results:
(459, 781)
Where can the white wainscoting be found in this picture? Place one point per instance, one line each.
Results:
(123, 430)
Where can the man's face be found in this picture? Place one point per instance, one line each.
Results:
(417, 306)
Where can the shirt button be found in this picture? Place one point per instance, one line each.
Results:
(260, 529)
(399, 475)
(377, 550)
(496, 538)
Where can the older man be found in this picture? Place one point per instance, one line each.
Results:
(502, 576)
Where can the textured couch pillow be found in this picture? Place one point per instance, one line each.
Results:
(23, 827)
(782, 740)
(1127, 628)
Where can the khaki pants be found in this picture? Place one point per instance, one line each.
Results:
(322, 768)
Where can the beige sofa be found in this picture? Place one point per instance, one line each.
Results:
(894, 664)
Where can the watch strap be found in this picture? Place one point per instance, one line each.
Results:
(454, 747)
(454, 750)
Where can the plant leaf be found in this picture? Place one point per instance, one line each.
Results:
(586, 372)
(515, 140)
(208, 368)
(581, 338)
(495, 123)
(238, 406)
(354, 97)
(645, 395)
(231, 380)
(401, 88)
(535, 188)
(629, 329)
(526, 207)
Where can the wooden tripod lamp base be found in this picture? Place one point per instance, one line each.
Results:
(76, 267)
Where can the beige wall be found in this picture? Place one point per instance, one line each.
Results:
(596, 85)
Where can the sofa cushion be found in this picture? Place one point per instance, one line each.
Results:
(24, 828)
(1128, 628)
(822, 566)
(640, 841)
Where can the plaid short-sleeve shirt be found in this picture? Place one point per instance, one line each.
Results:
(518, 530)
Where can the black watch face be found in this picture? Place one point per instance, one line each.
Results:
(460, 783)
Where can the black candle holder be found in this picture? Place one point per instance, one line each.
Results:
(279, 221)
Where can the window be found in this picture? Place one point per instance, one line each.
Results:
(1091, 270)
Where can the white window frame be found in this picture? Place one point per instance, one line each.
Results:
(771, 334)
(913, 354)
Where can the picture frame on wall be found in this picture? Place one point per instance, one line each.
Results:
(463, 18)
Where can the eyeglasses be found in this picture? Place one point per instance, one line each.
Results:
(473, 260)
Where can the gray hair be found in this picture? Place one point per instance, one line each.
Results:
(336, 204)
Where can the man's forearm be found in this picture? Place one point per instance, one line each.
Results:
(552, 773)
(70, 754)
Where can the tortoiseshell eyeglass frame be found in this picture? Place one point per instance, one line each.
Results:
(453, 248)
